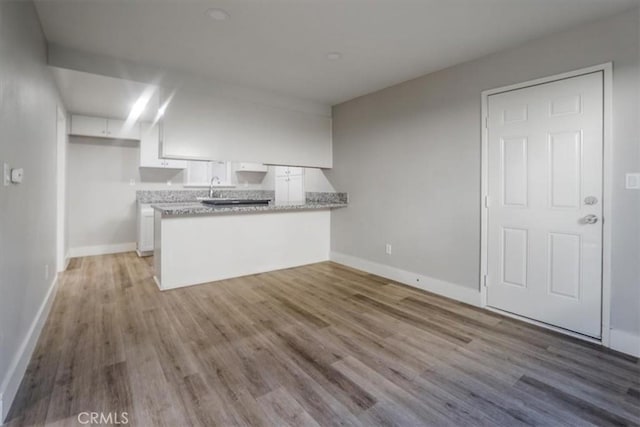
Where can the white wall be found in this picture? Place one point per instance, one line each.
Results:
(29, 101)
(409, 156)
(102, 203)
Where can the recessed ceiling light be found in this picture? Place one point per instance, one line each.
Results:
(334, 56)
(217, 14)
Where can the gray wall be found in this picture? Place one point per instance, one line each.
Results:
(409, 156)
(27, 211)
(101, 202)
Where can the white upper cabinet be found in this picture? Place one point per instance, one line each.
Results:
(251, 167)
(118, 130)
(219, 127)
(289, 171)
(88, 126)
(289, 185)
(99, 127)
(150, 150)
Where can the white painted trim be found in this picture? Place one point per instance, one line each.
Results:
(625, 342)
(607, 212)
(11, 383)
(101, 249)
(607, 70)
(429, 284)
(61, 182)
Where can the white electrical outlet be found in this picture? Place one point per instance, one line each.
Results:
(387, 248)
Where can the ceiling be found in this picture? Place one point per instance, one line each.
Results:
(282, 45)
(101, 96)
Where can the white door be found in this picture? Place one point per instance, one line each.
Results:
(545, 146)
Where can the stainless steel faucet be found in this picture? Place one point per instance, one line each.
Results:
(213, 180)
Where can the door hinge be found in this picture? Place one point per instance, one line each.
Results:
(486, 201)
(484, 280)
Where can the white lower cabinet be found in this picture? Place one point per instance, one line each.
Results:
(145, 230)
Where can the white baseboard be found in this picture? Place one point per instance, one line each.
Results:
(625, 342)
(11, 383)
(437, 286)
(101, 249)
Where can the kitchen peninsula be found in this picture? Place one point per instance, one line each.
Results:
(197, 243)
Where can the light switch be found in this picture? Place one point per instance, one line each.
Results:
(632, 181)
(6, 175)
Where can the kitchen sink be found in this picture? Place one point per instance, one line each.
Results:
(219, 201)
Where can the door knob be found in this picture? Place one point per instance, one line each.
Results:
(590, 219)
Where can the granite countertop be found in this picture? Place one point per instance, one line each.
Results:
(196, 208)
(184, 202)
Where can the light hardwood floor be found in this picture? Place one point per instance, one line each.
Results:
(315, 345)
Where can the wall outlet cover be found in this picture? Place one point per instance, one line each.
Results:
(17, 175)
(632, 181)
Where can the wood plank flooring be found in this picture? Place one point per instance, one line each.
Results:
(317, 345)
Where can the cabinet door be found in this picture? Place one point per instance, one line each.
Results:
(88, 126)
(282, 190)
(174, 164)
(296, 189)
(251, 167)
(150, 150)
(145, 232)
(117, 129)
(296, 171)
(282, 171)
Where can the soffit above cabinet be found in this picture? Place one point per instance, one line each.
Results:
(99, 96)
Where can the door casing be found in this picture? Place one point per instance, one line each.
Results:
(607, 177)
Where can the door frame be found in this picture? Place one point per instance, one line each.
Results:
(607, 185)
